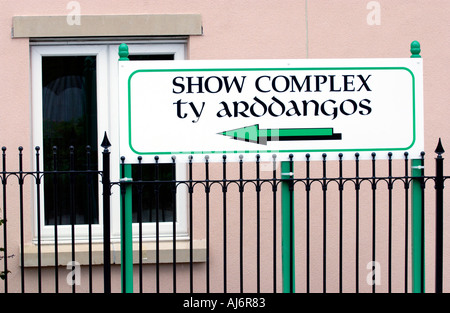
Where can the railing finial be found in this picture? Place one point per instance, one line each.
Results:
(439, 149)
(415, 49)
(123, 52)
(105, 143)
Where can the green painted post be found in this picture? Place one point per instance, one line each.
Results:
(287, 226)
(126, 234)
(417, 211)
(417, 236)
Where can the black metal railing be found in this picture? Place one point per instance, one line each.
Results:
(334, 226)
(62, 190)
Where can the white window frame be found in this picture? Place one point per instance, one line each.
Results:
(107, 121)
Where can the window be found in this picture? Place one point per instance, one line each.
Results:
(69, 118)
(74, 100)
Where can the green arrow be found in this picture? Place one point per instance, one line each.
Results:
(254, 134)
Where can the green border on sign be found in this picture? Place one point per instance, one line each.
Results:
(271, 69)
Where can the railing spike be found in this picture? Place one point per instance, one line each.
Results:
(439, 149)
(105, 143)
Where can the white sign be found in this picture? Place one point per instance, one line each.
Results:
(266, 107)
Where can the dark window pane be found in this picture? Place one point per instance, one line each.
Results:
(70, 119)
(153, 198)
(151, 57)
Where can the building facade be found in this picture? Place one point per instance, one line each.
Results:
(59, 67)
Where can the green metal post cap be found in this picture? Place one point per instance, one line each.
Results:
(415, 49)
(123, 52)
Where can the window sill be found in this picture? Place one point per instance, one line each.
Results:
(82, 253)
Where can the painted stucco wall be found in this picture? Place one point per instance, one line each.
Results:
(253, 29)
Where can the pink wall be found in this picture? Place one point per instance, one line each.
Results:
(257, 29)
(261, 29)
